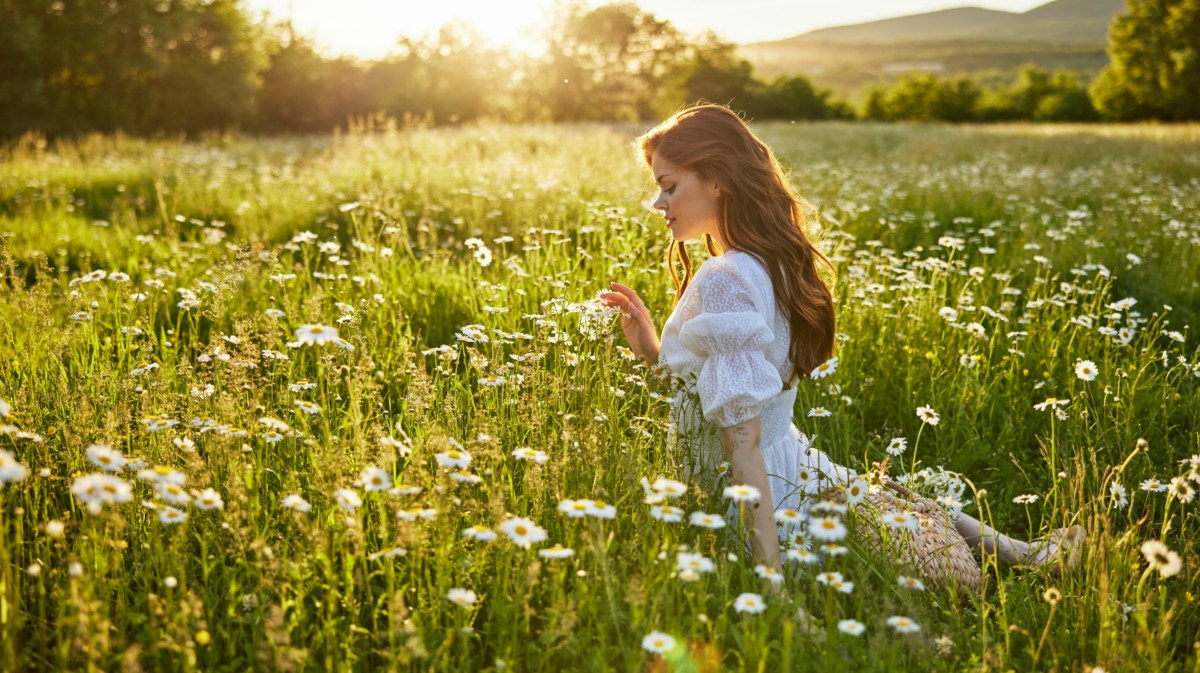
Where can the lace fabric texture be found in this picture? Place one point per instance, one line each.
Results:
(728, 346)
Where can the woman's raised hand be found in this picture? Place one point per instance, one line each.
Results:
(635, 322)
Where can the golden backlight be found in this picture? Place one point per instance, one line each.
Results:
(371, 28)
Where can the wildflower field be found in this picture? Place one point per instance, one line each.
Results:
(351, 403)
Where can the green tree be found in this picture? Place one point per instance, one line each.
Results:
(613, 62)
(303, 92)
(1154, 62)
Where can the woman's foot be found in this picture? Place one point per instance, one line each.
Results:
(1060, 550)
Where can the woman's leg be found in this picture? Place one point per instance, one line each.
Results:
(990, 541)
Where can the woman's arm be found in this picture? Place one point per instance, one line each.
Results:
(741, 444)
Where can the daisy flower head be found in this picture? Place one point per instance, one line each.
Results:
(463, 598)
(375, 479)
(843, 587)
(1050, 403)
(302, 384)
(825, 368)
(669, 488)
(296, 503)
(802, 555)
(575, 509)
(901, 520)
(534, 455)
(826, 528)
(601, 510)
(788, 517)
(851, 627)
(666, 513)
(1086, 370)
(98, 488)
(1052, 595)
(903, 624)
(5, 408)
(819, 412)
(347, 499)
(464, 477)
(480, 533)
(749, 603)
(170, 515)
(694, 562)
(928, 415)
(768, 573)
(390, 552)
(706, 520)
(913, 583)
(743, 493)
(454, 458)
(856, 491)
(158, 422)
(209, 499)
(1154, 485)
(523, 532)
(658, 643)
(834, 549)
(162, 474)
(1181, 489)
(1162, 559)
(1026, 499)
(173, 493)
(830, 578)
(316, 334)
(307, 407)
(824, 507)
(556, 552)
(897, 446)
(106, 458)
(1119, 496)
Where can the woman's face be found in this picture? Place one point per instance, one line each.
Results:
(689, 202)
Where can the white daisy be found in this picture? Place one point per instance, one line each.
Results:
(658, 643)
(523, 532)
(750, 603)
(706, 520)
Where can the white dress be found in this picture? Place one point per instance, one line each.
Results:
(728, 346)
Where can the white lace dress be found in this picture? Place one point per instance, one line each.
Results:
(728, 346)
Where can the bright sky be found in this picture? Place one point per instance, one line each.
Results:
(369, 28)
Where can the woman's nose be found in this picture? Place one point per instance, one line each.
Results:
(660, 203)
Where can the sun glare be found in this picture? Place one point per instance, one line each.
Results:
(371, 28)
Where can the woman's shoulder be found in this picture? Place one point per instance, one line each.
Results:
(737, 265)
(735, 271)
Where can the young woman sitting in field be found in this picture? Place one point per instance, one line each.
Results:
(753, 320)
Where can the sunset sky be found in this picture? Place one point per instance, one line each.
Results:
(369, 28)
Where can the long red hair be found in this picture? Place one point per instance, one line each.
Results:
(759, 214)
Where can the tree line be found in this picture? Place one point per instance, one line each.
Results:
(190, 66)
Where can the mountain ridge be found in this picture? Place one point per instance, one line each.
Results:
(1059, 21)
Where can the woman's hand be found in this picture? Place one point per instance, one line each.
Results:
(635, 322)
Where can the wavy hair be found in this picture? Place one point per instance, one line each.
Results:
(758, 214)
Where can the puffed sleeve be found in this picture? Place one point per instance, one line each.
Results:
(735, 380)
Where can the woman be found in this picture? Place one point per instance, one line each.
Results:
(753, 320)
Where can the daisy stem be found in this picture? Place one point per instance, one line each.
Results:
(913, 467)
(1142, 584)
(1045, 631)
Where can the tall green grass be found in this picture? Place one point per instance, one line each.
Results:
(1035, 237)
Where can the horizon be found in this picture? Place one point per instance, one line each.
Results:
(369, 29)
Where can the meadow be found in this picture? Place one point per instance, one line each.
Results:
(338, 402)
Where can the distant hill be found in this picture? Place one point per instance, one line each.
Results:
(1060, 35)
(1055, 22)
